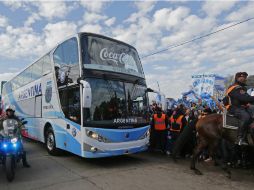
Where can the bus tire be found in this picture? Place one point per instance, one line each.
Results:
(50, 142)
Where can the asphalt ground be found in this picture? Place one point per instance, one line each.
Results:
(140, 171)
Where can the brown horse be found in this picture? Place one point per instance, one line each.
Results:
(210, 133)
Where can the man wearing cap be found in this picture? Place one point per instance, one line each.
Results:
(239, 100)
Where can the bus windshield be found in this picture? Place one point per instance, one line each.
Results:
(110, 55)
(116, 104)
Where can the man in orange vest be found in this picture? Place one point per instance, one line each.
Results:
(176, 124)
(159, 131)
(237, 104)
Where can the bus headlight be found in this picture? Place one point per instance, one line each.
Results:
(96, 136)
(146, 135)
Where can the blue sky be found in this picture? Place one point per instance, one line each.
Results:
(28, 29)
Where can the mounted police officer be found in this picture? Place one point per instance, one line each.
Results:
(9, 114)
(238, 103)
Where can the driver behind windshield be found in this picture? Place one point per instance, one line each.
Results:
(10, 114)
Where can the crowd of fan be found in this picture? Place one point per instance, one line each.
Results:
(179, 122)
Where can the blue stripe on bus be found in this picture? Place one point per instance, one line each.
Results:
(31, 128)
(62, 137)
(61, 116)
(53, 114)
(121, 135)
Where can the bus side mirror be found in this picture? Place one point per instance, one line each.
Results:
(24, 122)
(149, 90)
(87, 94)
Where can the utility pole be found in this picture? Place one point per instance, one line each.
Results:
(158, 86)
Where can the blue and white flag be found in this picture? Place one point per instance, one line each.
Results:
(203, 84)
(219, 83)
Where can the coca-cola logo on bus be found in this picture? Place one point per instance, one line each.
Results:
(123, 58)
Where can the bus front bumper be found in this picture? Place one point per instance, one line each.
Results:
(96, 153)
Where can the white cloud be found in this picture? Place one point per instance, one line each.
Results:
(55, 33)
(32, 19)
(93, 17)
(18, 42)
(6, 42)
(94, 6)
(52, 9)
(160, 67)
(127, 35)
(215, 8)
(3, 21)
(110, 21)
(14, 4)
(6, 76)
(91, 28)
(244, 12)
(144, 7)
(167, 18)
(191, 27)
(161, 17)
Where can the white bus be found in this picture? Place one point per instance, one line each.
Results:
(86, 96)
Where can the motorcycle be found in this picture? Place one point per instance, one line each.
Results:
(11, 147)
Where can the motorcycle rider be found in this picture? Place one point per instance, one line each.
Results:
(10, 114)
(239, 101)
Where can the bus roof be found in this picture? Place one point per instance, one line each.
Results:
(67, 38)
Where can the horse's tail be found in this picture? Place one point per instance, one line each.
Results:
(184, 138)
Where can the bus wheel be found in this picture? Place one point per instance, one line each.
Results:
(50, 142)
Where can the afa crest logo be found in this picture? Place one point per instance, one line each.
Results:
(48, 92)
(74, 132)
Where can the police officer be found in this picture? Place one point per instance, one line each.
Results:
(177, 123)
(159, 132)
(238, 105)
(10, 110)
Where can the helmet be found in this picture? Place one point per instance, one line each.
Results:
(10, 108)
(57, 65)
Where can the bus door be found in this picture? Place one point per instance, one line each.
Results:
(38, 115)
(70, 102)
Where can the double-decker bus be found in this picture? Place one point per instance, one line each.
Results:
(87, 96)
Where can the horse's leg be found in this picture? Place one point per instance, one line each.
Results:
(244, 155)
(201, 145)
(217, 144)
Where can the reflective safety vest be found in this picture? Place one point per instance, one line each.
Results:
(176, 124)
(228, 99)
(159, 123)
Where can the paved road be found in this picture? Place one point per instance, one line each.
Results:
(141, 171)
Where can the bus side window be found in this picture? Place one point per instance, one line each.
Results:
(46, 68)
(66, 62)
(63, 94)
(70, 102)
